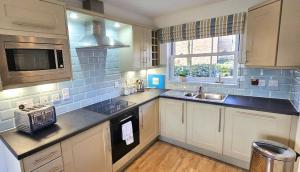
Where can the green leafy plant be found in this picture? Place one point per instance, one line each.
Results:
(183, 72)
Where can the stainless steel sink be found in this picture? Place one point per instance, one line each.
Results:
(190, 94)
(211, 96)
(207, 96)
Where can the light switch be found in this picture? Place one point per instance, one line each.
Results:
(44, 100)
(65, 93)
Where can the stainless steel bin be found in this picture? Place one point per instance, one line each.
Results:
(270, 156)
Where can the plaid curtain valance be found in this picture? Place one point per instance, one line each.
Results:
(219, 26)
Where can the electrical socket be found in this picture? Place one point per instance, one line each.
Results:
(273, 83)
(26, 103)
(65, 93)
(44, 100)
(55, 98)
(117, 85)
(262, 83)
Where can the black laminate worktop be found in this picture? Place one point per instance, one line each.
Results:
(75, 122)
(68, 125)
(279, 106)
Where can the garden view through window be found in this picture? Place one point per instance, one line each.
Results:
(207, 58)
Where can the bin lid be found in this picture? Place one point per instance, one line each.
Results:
(274, 150)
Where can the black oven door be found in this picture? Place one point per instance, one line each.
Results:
(119, 147)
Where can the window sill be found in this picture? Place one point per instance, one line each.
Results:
(175, 81)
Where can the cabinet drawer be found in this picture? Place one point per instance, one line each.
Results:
(40, 16)
(41, 158)
(53, 166)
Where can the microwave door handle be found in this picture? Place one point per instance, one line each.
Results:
(126, 118)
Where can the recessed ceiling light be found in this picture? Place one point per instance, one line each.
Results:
(73, 15)
(117, 25)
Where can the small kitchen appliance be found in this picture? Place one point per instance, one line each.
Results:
(140, 85)
(32, 119)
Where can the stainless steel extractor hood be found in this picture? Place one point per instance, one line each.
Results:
(95, 36)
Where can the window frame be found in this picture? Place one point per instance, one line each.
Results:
(229, 80)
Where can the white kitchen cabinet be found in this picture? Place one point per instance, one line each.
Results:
(242, 127)
(138, 56)
(35, 16)
(205, 126)
(262, 34)
(173, 119)
(149, 122)
(88, 151)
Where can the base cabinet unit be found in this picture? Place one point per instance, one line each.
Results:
(89, 151)
(242, 127)
(149, 122)
(173, 119)
(205, 126)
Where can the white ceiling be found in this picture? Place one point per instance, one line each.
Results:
(155, 8)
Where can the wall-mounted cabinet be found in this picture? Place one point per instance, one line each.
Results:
(138, 56)
(272, 34)
(34, 16)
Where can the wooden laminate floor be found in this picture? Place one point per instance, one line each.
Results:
(163, 157)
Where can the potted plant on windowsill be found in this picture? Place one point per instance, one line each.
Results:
(182, 75)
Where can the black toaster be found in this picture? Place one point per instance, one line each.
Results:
(33, 119)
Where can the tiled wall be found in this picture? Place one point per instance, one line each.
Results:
(295, 89)
(244, 87)
(94, 75)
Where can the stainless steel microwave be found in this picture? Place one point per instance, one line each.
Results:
(27, 61)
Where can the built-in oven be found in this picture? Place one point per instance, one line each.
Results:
(26, 61)
(119, 146)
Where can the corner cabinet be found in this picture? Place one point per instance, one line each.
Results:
(272, 34)
(149, 122)
(205, 126)
(88, 151)
(242, 127)
(173, 119)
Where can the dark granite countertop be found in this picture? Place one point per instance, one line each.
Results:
(68, 125)
(75, 122)
(280, 106)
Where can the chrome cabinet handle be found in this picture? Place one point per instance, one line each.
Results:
(108, 139)
(220, 118)
(142, 118)
(182, 118)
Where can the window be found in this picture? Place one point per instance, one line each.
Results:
(206, 59)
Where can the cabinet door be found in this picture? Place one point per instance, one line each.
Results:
(148, 47)
(289, 42)
(262, 35)
(33, 16)
(149, 122)
(173, 119)
(242, 127)
(138, 34)
(89, 151)
(205, 126)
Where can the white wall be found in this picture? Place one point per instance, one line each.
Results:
(116, 12)
(2, 164)
(204, 12)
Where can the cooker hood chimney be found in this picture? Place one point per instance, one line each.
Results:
(95, 30)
